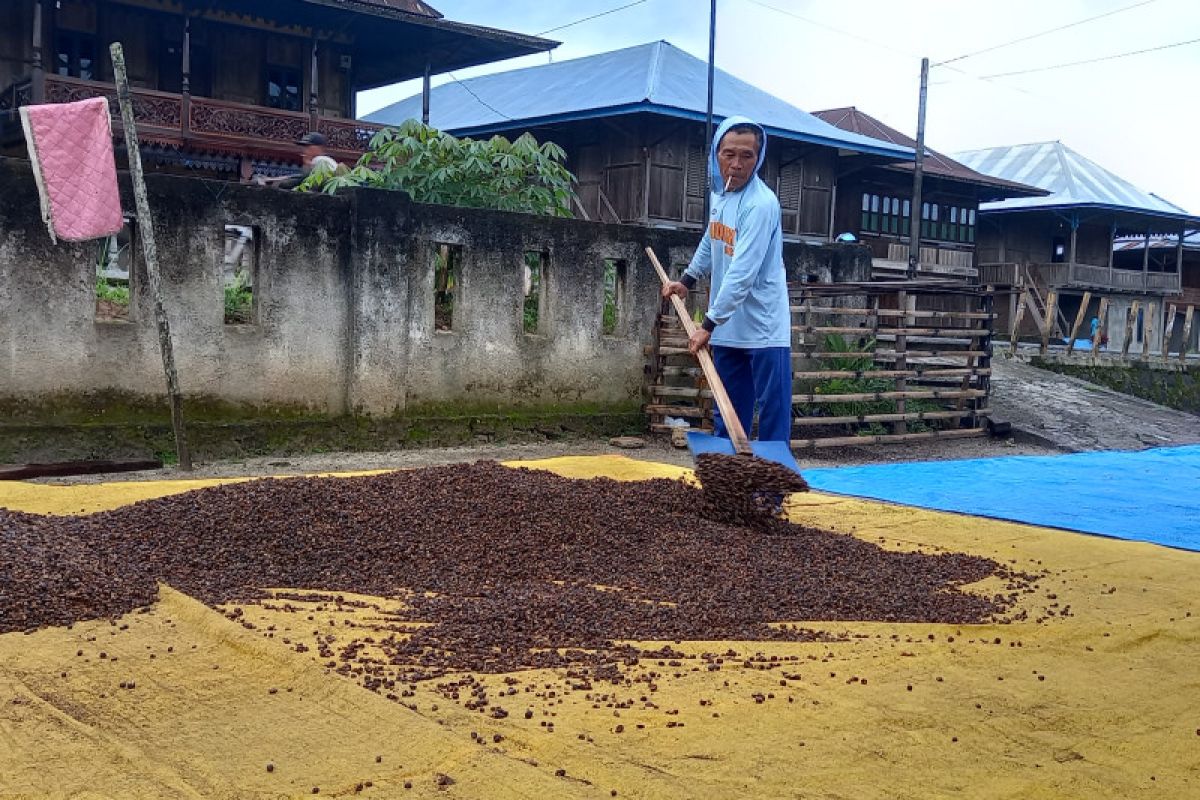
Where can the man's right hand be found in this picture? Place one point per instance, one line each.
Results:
(675, 288)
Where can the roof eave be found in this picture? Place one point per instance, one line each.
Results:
(1186, 219)
(894, 153)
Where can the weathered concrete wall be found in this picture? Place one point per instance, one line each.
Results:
(1170, 384)
(344, 294)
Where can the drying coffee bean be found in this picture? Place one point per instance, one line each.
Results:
(509, 554)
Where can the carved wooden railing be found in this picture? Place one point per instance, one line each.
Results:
(217, 121)
(16, 95)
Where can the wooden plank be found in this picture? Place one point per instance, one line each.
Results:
(890, 373)
(1130, 318)
(851, 441)
(888, 355)
(929, 333)
(864, 418)
(890, 312)
(1168, 329)
(675, 411)
(1147, 326)
(1048, 322)
(1187, 334)
(679, 391)
(1083, 307)
(933, 394)
(1022, 304)
(58, 469)
(660, 427)
(1102, 315)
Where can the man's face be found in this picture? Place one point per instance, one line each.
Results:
(311, 151)
(737, 156)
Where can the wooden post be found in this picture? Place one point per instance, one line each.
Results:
(1079, 317)
(1112, 242)
(1147, 327)
(314, 71)
(1048, 322)
(150, 252)
(1022, 304)
(1102, 317)
(914, 239)
(1168, 329)
(37, 87)
(1187, 334)
(426, 91)
(902, 359)
(708, 108)
(1179, 256)
(1130, 320)
(185, 83)
(1074, 244)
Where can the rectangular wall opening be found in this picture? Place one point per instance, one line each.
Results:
(239, 272)
(533, 318)
(114, 275)
(614, 296)
(447, 273)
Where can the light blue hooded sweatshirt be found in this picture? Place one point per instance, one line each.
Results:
(742, 251)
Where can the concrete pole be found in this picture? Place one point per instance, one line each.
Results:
(914, 239)
(150, 252)
(708, 113)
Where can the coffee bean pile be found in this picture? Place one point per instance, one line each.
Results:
(746, 490)
(514, 568)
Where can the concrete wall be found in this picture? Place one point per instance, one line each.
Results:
(344, 294)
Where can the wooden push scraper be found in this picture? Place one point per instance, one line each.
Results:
(743, 481)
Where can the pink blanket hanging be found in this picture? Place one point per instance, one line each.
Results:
(70, 145)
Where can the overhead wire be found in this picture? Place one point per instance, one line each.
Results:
(1041, 33)
(1091, 60)
(593, 16)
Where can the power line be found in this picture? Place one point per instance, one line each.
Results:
(482, 102)
(818, 24)
(1090, 60)
(1042, 33)
(593, 16)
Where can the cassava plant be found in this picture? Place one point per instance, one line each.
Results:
(435, 167)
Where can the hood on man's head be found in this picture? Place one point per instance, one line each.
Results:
(714, 169)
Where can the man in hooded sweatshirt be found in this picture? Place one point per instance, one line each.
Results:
(748, 323)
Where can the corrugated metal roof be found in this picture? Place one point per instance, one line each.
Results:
(851, 119)
(417, 7)
(656, 77)
(1072, 179)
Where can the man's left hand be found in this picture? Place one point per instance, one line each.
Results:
(698, 341)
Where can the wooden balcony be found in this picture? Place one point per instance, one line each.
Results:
(939, 262)
(1081, 276)
(205, 124)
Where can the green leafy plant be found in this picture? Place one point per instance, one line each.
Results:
(113, 292)
(531, 311)
(435, 167)
(239, 300)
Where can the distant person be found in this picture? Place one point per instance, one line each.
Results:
(312, 157)
(1095, 327)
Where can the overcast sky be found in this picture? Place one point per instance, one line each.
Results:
(1136, 116)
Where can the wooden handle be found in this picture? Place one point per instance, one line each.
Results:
(733, 425)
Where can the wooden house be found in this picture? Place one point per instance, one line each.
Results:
(874, 203)
(228, 86)
(1065, 242)
(632, 122)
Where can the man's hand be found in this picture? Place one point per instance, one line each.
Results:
(674, 288)
(698, 341)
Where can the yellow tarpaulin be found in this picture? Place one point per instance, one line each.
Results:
(1095, 694)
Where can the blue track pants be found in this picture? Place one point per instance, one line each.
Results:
(758, 377)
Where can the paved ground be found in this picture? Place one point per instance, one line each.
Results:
(1075, 415)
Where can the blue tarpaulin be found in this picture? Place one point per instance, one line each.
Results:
(1147, 495)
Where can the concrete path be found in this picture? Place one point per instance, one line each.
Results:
(1075, 415)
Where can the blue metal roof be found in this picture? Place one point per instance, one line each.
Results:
(656, 77)
(1072, 180)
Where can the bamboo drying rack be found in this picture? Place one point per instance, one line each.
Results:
(911, 367)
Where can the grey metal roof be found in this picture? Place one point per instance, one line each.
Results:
(656, 77)
(1072, 180)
